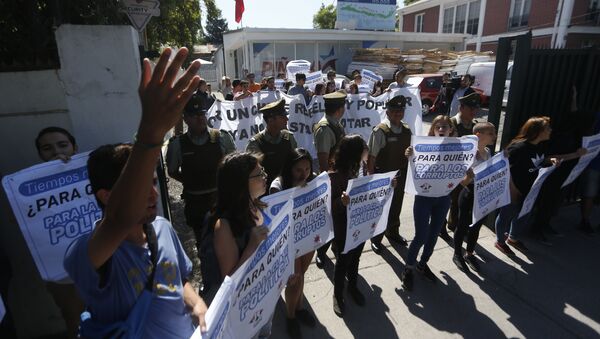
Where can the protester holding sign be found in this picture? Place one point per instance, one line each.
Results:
(110, 266)
(296, 172)
(299, 88)
(387, 144)
(400, 77)
(274, 142)
(192, 159)
(526, 154)
(54, 143)
(328, 133)
(486, 133)
(429, 214)
(351, 153)
(244, 91)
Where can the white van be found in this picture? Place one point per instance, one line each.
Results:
(484, 77)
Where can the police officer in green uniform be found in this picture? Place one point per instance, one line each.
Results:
(328, 131)
(275, 142)
(387, 144)
(464, 122)
(193, 158)
(327, 134)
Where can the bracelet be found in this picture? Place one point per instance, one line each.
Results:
(145, 145)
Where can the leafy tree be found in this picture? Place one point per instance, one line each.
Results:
(178, 25)
(325, 17)
(408, 2)
(215, 24)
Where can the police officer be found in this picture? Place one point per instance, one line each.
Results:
(193, 158)
(387, 144)
(327, 134)
(275, 142)
(464, 122)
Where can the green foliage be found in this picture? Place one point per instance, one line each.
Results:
(215, 24)
(325, 17)
(178, 25)
(408, 2)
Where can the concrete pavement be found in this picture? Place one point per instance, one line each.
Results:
(548, 292)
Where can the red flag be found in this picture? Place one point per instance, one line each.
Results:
(239, 10)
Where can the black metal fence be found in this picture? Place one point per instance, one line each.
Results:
(542, 83)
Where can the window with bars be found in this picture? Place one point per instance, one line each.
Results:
(448, 20)
(473, 19)
(462, 18)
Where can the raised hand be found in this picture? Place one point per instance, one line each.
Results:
(162, 97)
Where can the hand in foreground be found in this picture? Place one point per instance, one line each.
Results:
(162, 97)
(345, 199)
(409, 151)
(258, 234)
(199, 313)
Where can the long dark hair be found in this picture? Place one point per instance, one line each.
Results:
(349, 155)
(531, 129)
(294, 157)
(233, 195)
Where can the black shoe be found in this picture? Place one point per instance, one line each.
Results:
(338, 306)
(586, 228)
(306, 318)
(376, 247)
(407, 279)
(460, 263)
(293, 328)
(397, 238)
(319, 261)
(356, 295)
(542, 239)
(472, 262)
(426, 272)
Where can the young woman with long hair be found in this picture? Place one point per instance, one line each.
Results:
(296, 172)
(351, 152)
(429, 216)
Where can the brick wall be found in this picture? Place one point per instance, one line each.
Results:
(576, 40)
(430, 20)
(580, 14)
(543, 13)
(496, 17)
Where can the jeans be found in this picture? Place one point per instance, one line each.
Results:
(429, 213)
(507, 221)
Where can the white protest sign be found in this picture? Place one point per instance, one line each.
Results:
(311, 213)
(216, 315)
(302, 118)
(363, 88)
(529, 201)
(439, 164)
(54, 205)
(279, 84)
(492, 186)
(312, 79)
(592, 144)
(266, 97)
(241, 119)
(261, 279)
(2, 309)
(297, 66)
(370, 201)
(370, 78)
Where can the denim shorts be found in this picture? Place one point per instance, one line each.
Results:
(590, 183)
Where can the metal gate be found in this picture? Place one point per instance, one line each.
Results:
(541, 84)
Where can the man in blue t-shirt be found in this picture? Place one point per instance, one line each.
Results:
(111, 266)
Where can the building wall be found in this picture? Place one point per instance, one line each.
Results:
(543, 13)
(430, 24)
(580, 14)
(577, 40)
(496, 17)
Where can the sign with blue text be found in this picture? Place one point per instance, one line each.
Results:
(531, 197)
(492, 186)
(311, 213)
(54, 205)
(439, 164)
(369, 207)
(592, 144)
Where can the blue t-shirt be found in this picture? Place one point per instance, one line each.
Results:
(125, 276)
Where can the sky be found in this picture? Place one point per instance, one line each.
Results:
(272, 13)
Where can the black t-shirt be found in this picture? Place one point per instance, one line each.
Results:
(525, 161)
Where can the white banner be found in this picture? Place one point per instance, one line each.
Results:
(312, 79)
(302, 118)
(592, 144)
(370, 201)
(492, 186)
(370, 78)
(279, 84)
(297, 66)
(241, 119)
(439, 164)
(54, 205)
(216, 316)
(529, 201)
(311, 213)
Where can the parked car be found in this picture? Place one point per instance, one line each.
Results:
(484, 77)
(430, 85)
